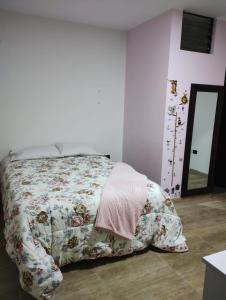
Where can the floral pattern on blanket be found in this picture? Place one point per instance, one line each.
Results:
(50, 207)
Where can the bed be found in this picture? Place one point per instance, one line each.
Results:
(50, 206)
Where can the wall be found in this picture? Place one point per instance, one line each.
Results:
(146, 77)
(60, 81)
(187, 67)
(202, 135)
(194, 67)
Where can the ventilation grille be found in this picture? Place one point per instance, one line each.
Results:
(196, 33)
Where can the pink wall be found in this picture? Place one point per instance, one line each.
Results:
(187, 67)
(146, 78)
(153, 59)
(194, 67)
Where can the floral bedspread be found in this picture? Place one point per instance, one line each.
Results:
(50, 207)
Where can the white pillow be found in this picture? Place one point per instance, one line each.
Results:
(70, 149)
(36, 152)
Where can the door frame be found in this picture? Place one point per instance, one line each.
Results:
(191, 114)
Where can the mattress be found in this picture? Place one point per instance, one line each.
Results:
(50, 206)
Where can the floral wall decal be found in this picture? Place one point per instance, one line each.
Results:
(174, 136)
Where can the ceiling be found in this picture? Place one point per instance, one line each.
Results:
(115, 14)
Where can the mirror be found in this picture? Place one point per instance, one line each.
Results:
(204, 116)
(203, 126)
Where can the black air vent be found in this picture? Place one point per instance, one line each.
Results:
(196, 33)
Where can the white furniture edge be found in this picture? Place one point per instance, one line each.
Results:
(217, 261)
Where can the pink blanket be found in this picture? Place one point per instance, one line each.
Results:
(122, 201)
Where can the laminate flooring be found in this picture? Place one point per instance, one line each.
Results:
(197, 180)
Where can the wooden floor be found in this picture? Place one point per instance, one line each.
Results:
(150, 275)
(197, 179)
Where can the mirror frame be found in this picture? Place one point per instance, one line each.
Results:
(191, 114)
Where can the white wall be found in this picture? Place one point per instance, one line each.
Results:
(205, 110)
(60, 81)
